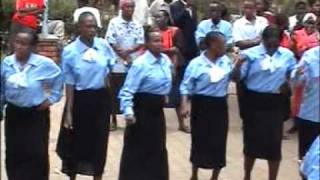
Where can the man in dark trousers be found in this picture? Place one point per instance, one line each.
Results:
(184, 15)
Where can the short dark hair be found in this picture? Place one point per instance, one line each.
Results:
(84, 15)
(271, 31)
(33, 36)
(300, 3)
(212, 36)
(312, 2)
(148, 30)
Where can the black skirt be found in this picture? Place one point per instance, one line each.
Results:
(144, 155)
(83, 150)
(308, 132)
(263, 125)
(209, 129)
(116, 83)
(27, 135)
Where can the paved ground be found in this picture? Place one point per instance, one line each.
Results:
(178, 146)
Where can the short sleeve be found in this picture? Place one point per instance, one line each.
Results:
(236, 32)
(111, 33)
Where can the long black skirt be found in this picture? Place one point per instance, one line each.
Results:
(83, 150)
(263, 125)
(308, 132)
(144, 155)
(116, 80)
(27, 135)
(209, 129)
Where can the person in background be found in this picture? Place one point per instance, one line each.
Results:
(246, 34)
(282, 22)
(141, 12)
(311, 163)
(126, 38)
(315, 7)
(184, 15)
(225, 14)
(31, 84)
(26, 17)
(144, 155)
(157, 5)
(308, 37)
(308, 117)
(206, 82)
(173, 46)
(214, 23)
(248, 29)
(86, 62)
(264, 9)
(265, 71)
(295, 21)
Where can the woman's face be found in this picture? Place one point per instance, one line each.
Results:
(154, 43)
(215, 12)
(161, 19)
(217, 46)
(88, 27)
(22, 45)
(271, 43)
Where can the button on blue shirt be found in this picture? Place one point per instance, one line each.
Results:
(83, 73)
(39, 73)
(207, 26)
(309, 109)
(146, 75)
(197, 79)
(266, 80)
(310, 167)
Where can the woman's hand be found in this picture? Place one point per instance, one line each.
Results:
(130, 120)
(44, 105)
(185, 110)
(68, 121)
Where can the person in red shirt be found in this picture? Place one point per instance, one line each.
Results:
(26, 17)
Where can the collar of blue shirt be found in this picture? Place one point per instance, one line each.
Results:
(82, 47)
(263, 50)
(153, 60)
(33, 60)
(208, 62)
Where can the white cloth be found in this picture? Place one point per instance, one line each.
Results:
(292, 22)
(90, 55)
(141, 12)
(243, 29)
(19, 79)
(92, 10)
(216, 73)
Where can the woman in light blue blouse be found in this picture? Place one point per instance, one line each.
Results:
(86, 65)
(308, 117)
(265, 70)
(24, 77)
(142, 99)
(206, 81)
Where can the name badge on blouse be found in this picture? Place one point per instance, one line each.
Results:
(90, 55)
(216, 74)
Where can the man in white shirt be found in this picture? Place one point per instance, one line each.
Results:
(141, 12)
(301, 8)
(248, 29)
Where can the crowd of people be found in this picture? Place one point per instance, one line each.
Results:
(172, 61)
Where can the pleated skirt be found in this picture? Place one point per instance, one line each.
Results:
(209, 129)
(144, 155)
(27, 136)
(83, 150)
